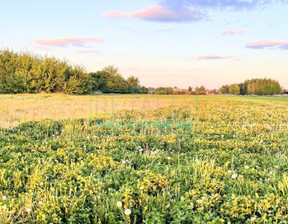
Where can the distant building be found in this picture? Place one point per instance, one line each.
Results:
(151, 90)
(180, 90)
(211, 91)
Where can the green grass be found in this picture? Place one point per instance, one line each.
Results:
(233, 170)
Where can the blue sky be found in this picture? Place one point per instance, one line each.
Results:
(165, 43)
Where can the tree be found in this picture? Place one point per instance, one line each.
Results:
(201, 90)
(234, 89)
(26, 73)
(224, 89)
(111, 69)
(261, 87)
(133, 81)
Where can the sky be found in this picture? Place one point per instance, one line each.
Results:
(163, 42)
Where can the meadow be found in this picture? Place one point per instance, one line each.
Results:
(232, 169)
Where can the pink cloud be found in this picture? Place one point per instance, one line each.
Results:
(80, 42)
(158, 13)
(268, 44)
(88, 52)
(230, 32)
(215, 57)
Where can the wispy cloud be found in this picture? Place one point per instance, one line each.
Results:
(231, 32)
(160, 14)
(220, 4)
(215, 57)
(179, 11)
(89, 52)
(268, 44)
(78, 42)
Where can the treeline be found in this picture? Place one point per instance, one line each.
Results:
(254, 87)
(26, 73)
(176, 91)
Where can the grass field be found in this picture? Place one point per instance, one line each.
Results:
(232, 170)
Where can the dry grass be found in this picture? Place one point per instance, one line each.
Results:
(15, 109)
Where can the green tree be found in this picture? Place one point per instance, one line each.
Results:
(224, 89)
(234, 89)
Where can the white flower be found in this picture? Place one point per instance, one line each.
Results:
(28, 209)
(123, 161)
(127, 211)
(222, 136)
(4, 207)
(199, 201)
(246, 167)
(87, 137)
(168, 157)
(40, 202)
(119, 204)
(253, 219)
(41, 183)
(234, 176)
(4, 197)
(229, 171)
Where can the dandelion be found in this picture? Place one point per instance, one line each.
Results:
(28, 210)
(4, 197)
(234, 176)
(119, 204)
(127, 212)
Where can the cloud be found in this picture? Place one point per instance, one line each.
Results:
(220, 4)
(160, 14)
(88, 52)
(215, 57)
(78, 42)
(268, 44)
(231, 32)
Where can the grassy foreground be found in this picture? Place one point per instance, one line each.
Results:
(233, 170)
